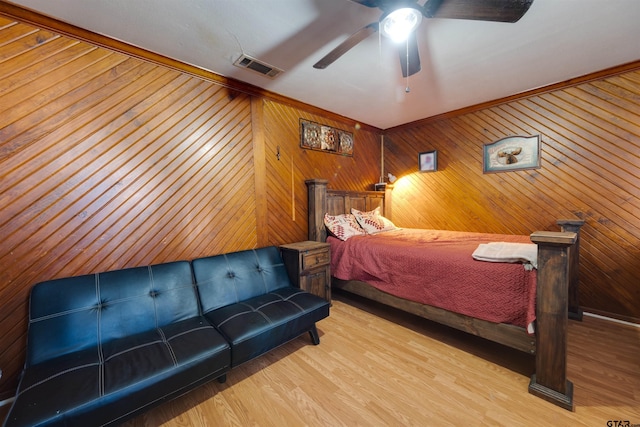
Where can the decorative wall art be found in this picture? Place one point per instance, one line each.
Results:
(512, 153)
(428, 161)
(315, 136)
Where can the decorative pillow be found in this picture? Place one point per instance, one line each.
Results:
(372, 222)
(343, 226)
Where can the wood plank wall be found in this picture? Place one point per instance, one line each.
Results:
(287, 198)
(108, 162)
(590, 170)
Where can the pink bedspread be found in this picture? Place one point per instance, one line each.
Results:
(435, 267)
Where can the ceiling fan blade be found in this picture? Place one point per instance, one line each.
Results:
(409, 56)
(368, 3)
(479, 10)
(343, 47)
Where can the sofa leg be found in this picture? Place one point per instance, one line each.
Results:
(315, 338)
(222, 378)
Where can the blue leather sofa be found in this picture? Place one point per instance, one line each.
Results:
(105, 347)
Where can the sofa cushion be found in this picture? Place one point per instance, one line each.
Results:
(104, 347)
(126, 375)
(77, 313)
(230, 278)
(111, 343)
(259, 324)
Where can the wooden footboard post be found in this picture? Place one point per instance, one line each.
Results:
(317, 192)
(573, 226)
(550, 379)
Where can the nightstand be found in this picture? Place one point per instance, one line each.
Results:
(308, 266)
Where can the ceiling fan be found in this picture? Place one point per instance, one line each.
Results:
(410, 13)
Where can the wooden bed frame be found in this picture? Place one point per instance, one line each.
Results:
(556, 296)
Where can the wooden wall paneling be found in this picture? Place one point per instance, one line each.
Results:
(260, 170)
(188, 197)
(537, 186)
(101, 155)
(401, 159)
(70, 170)
(200, 179)
(16, 37)
(109, 162)
(590, 169)
(460, 202)
(26, 186)
(575, 198)
(602, 181)
(281, 131)
(477, 200)
(513, 189)
(287, 195)
(585, 168)
(11, 30)
(54, 54)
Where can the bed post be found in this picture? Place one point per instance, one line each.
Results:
(317, 192)
(550, 380)
(573, 226)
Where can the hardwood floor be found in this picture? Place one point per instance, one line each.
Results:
(379, 367)
(376, 366)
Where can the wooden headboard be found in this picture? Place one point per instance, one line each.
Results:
(335, 202)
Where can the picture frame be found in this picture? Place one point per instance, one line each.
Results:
(511, 154)
(314, 136)
(428, 161)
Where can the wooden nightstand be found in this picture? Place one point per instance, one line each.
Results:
(308, 265)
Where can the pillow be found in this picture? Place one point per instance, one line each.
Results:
(343, 226)
(372, 222)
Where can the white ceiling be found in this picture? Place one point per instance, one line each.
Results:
(463, 62)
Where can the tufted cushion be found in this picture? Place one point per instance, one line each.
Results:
(248, 297)
(259, 324)
(102, 347)
(230, 278)
(123, 377)
(77, 313)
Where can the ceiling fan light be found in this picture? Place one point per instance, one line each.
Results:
(398, 24)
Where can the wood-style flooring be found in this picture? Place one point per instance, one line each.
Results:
(378, 367)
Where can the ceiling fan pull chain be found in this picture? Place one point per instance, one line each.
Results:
(407, 89)
(379, 43)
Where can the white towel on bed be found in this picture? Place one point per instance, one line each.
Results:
(526, 253)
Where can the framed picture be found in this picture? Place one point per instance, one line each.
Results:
(314, 136)
(511, 153)
(428, 161)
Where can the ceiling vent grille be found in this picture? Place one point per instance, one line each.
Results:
(245, 61)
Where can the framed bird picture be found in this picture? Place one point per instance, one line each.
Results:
(511, 153)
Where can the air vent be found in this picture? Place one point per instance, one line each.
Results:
(263, 68)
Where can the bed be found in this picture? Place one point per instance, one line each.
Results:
(555, 284)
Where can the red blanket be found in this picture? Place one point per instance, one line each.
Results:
(436, 268)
